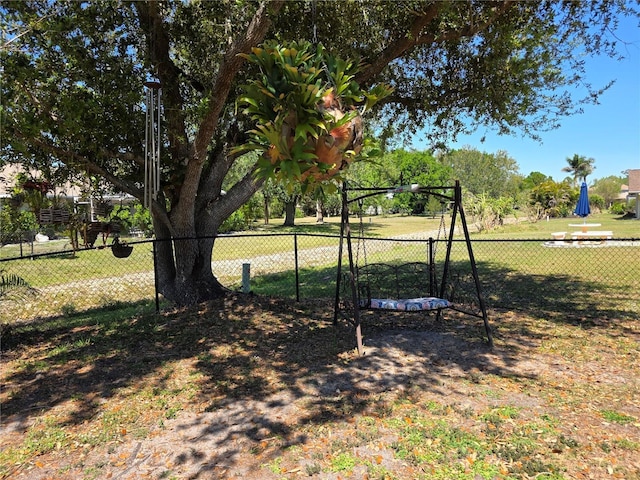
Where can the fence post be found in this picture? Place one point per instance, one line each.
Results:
(295, 255)
(155, 276)
(246, 277)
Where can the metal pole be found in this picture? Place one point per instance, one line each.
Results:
(295, 255)
(432, 268)
(156, 186)
(456, 205)
(147, 140)
(336, 305)
(152, 146)
(152, 142)
(474, 268)
(155, 276)
(246, 277)
(352, 275)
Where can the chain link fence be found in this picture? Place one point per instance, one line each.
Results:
(20, 244)
(66, 281)
(589, 280)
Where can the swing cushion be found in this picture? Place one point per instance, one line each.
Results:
(407, 305)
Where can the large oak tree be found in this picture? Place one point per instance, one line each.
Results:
(73, 77)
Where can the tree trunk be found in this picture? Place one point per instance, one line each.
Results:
(184, 270)
(267, 210)
(290, 212)
(319, 215)
(184, 246)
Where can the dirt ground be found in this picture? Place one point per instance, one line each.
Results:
(315, 390)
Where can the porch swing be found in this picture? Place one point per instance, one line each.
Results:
(379, 286)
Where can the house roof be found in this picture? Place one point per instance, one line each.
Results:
(634, 180)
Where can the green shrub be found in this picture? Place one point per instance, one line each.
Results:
(618, 208)
(596, 201)
(236, 222)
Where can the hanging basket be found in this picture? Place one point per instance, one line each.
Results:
(54, 215)
(38, 185)
(120, 249)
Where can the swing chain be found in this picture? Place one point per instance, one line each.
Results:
(361, 233)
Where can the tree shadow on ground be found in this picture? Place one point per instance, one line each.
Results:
(252, 360)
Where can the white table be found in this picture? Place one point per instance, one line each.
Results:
(585, 226)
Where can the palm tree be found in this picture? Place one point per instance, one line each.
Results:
(580, 166)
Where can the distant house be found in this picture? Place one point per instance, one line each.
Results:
(634, 188)
(72, 193)
(8, 181)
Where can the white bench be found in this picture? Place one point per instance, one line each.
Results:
(559, 236)
(601, 235)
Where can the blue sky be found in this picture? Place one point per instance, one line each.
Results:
(608, 132)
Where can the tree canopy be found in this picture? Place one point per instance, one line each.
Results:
(74, 75)
(609, 188)
(534, 179)
(493, 174)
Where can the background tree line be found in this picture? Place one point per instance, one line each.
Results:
(494, 188)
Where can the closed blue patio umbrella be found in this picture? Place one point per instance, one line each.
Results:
(582, 208)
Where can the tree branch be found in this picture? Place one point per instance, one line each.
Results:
(223, 82)
(91, 167)
(124, 157)
(237, 195)
(400, 46)
(168, 73)
(229, 67)
(84, 162)
(469, 30)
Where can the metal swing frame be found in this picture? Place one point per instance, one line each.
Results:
(451, 194)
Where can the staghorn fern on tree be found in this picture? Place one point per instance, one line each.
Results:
(305, 105)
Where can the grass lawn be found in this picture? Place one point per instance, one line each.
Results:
(515, 227)
(620, 226)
